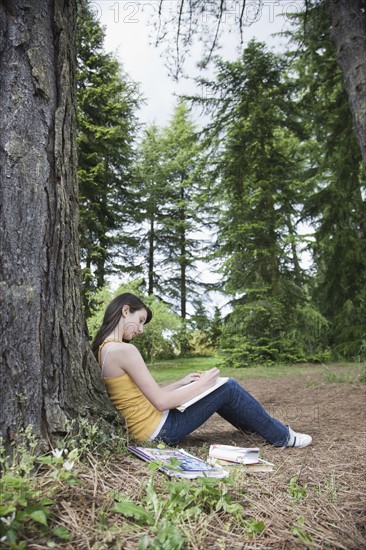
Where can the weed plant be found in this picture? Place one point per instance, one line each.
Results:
(24, 501)
(30, 483)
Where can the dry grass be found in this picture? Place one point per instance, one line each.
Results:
(330, 510)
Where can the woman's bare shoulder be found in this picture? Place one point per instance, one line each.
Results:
(125, 354)
(114, 358)
(130, 349)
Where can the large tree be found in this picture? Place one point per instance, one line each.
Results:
(182, 210)
(335, 205)
(150, 187)
(48, 373)
(170, 187)
(348, 31)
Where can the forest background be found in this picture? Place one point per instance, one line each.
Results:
(276, 154)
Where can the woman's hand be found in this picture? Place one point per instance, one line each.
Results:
(208, 378)
(192, 377)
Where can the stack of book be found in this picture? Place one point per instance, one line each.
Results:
(228, 456)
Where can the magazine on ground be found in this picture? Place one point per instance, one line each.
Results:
(178, 463)
(248, 458)
(220, 381)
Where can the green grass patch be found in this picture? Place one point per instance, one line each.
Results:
(174, 369)
(345, 374)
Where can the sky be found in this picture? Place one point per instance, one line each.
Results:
(131, 38)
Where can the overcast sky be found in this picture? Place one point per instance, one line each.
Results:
(131, 38)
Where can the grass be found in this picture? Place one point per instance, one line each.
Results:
(173, 369)
(169, 370)
(348, 375)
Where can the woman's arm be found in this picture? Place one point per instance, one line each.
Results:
(131, 362)
(183, 382)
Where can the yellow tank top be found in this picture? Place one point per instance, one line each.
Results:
(141, 417)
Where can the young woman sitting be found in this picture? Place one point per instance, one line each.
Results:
(150, 410)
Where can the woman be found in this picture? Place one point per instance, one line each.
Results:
(150, 410)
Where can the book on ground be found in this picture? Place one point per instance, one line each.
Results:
(248, 458)
(179, 463)
(260, 466)
(220, 381)
(240, 455)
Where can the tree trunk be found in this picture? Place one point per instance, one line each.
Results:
(151, 256)
(348, 32)
(48, 373)
(183, 254)
(295, 257)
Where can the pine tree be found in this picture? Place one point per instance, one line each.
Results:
(335, 205)
(170, 196)
(151, 190)
(347, 24)
(48, 374)
(260, 171)
(106, 131)
(181, 208)
(215, 329)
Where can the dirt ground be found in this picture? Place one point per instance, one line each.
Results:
(333, 468)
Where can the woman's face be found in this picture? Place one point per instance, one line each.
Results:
(133, 323)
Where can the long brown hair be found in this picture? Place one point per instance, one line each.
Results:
(113, 314)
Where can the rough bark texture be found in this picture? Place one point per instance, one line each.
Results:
(348, 32)
(48, 373)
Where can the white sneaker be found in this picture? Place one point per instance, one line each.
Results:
(298, 440)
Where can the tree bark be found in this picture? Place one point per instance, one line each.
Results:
(48, 373)
(183, 252)
(151, 256)
(348, 31)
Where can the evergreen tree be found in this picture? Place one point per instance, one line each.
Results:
(106, 130)
(261, 170)
(151, 190)
(48, 374)
(181, 209)
(336, 205)
(170, 197)
(200, 319)
(215, 329)
(347, 24)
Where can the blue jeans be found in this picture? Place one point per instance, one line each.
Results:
(235, 405)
